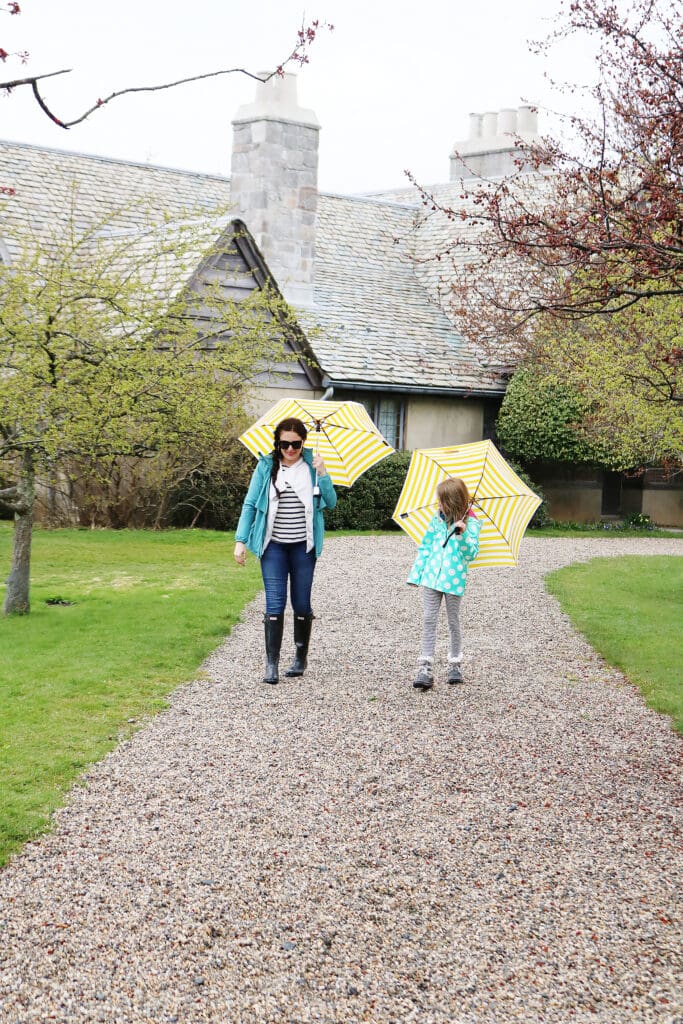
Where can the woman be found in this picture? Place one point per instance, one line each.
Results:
(282, 524)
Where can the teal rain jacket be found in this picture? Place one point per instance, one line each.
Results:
(444, 557)
(251, 528)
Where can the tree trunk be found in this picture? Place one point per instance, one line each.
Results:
(17, 593)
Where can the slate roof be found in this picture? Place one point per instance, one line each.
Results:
(376, 311)
(43, 180)
(431, 237)
(430, 234)
(378, 323)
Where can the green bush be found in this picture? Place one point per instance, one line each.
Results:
(638, 521)
(5, 512)
(541, 419)
(212, 499)
(369, 503)
(541, 516)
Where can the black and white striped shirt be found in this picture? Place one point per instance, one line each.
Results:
(289, 526)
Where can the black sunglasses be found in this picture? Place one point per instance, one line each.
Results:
(290, 444)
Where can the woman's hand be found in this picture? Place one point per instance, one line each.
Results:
(319, 465)
(240, 553)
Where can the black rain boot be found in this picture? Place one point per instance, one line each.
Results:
(302, 637)
(273, 629)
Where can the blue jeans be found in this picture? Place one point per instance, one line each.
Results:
(280, 561)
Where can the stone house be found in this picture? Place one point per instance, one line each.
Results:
(355, 268)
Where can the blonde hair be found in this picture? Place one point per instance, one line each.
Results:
(454, 498)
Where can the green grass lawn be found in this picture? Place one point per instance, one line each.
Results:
(146, 610)
(630, 609)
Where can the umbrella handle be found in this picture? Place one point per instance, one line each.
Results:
(316, 488)
(468, 510)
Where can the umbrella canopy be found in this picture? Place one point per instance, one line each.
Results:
(342, 432)
(500, 500)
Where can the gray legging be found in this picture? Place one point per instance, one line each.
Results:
(432, 603)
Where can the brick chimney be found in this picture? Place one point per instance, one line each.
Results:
(274, 182)
(490, 150)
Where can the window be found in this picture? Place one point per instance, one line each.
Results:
(388, 416)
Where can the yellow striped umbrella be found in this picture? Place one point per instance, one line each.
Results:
(500, 500)
(342, 432)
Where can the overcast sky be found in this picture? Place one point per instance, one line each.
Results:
(392, 85)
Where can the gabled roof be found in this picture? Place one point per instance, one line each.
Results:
(238, 266)
(378, 319)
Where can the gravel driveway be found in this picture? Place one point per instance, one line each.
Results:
(343, 848)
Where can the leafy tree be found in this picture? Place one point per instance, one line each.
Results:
(628, 372)
(597, 227)
(113, 346)
(541, 420)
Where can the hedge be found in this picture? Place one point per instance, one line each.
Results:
(369, 503)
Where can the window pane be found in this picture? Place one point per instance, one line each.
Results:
(370, 406)
(389, 420)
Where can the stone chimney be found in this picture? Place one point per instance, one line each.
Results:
(274, 182)
(490, 150)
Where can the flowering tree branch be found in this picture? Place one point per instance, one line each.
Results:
(11, 8)
(593, 231)
(299, 55)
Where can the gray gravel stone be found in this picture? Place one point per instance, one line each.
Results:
(344, 848)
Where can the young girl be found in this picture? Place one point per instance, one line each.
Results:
(282, 524)
(440, 568)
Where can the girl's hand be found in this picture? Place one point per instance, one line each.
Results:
(459, 527)
(319, 465)
(240, 553)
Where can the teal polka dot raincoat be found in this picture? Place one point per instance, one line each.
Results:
(443, 557)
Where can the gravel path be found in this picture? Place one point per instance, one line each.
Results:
(342, 848)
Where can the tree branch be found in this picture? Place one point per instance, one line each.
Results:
(10, 498)
(306, 35)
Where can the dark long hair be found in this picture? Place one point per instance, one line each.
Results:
(292, 423)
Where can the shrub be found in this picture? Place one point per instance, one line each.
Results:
(214, 501)
(635, 521)
(5, 511)
(638, 521)
(541, 516)
(211, 498)
(541, 419)
(369, 503)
